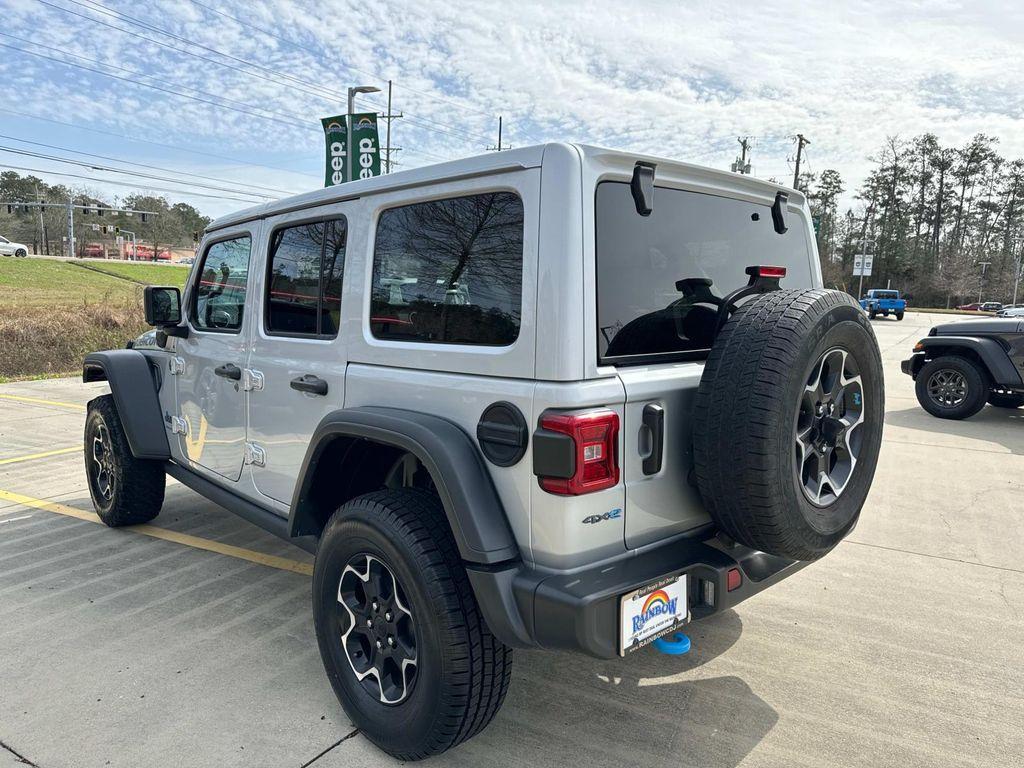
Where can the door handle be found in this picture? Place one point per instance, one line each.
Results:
(309, 383)
(653, 420)
(229, 371)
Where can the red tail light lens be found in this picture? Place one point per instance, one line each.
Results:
(595, 437)
(766, 271)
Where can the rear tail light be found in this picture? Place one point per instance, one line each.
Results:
(581, 456)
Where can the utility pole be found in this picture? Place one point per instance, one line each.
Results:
(741, 165)
(981, 284)
(1016, 271)
(498, 147)
(71, 228)
(42, 226)
(387, 146)
(801, 142)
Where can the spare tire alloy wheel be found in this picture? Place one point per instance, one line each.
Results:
(828, 440)
(380, 641)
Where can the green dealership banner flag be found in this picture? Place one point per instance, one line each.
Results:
(336, 134)
(364, 147)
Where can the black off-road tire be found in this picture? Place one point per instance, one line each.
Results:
(462, 671)
(746, 415)
(1005, 400)
(899, 315)
(134, 491)
(975, 381)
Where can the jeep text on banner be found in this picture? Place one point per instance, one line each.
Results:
(365, 146)
(336, 134)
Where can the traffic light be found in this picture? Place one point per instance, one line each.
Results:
(10, 208)
(104, 229)
(99, 211)
(143, 217)
(117, 230)
(195, 236)
(26, 208)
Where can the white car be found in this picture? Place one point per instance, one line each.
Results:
(7, 248)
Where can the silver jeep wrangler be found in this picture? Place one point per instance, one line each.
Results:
(558, 397)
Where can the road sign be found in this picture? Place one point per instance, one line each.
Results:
(862, 264)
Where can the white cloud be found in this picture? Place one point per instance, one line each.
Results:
(668, 78)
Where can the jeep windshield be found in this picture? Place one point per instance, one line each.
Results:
(654, 300)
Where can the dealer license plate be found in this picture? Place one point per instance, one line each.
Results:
(650, 612)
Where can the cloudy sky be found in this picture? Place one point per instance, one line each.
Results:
(232, 92)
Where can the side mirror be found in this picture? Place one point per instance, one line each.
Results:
(162, 306)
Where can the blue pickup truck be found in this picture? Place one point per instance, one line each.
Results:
(883, 302)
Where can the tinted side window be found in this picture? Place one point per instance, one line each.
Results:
(450, 271)
(220, 289)
(306, 264)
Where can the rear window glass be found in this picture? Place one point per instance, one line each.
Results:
(653, 271)
(885, 294)
(306, 267)
(450, 271)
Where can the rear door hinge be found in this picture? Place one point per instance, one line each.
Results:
(176, 365)
(255, 455)
(252, 380)
(179, 426)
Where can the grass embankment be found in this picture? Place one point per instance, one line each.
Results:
(53, 312)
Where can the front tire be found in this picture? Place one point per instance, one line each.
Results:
(20, 253)
(951, 387)
(414, 665)
(124, 490)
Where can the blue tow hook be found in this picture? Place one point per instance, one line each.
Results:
(674, 645)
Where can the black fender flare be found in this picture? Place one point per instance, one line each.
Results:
(989, 351)
(475, 513)
(134, 388)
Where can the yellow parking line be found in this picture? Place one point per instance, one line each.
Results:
(39, 401)
(43, 455)
(271, 561)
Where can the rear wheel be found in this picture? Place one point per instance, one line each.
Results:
(402, 639)
(1005, 400)
(788, 422)
(899, 315)
(124, 490)
(951, 387)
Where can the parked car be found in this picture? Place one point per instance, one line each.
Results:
(958, 367)
(508, 404)
(95, 251)
(884, 302)
(1012, 311)
(10, 248)
(991, 306)
(972, 307)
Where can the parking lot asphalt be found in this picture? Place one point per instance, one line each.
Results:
(189, 642)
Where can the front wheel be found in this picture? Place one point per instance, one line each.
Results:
(402, 640)
(951, 387)
(124, 490)
(20, 253)
(1005, 400)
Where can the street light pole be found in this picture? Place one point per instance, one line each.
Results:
(348, 119)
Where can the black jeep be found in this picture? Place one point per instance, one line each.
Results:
(958, 367)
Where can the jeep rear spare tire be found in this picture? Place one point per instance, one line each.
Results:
(788, 422)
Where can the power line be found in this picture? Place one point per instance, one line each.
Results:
(150, 167)
(346, 66)
(137, 174)
(291, 123)
(183, 192)
(322, 91)
(149, 141)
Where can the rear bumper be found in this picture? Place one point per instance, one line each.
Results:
(580, 611)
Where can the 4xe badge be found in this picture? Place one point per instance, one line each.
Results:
(594, 519)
